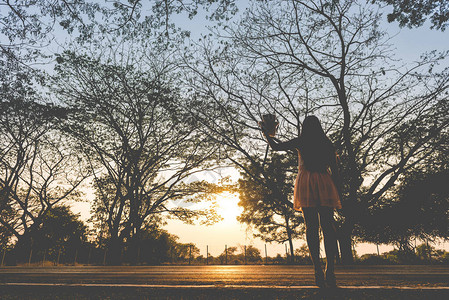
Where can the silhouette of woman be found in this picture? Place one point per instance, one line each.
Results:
(315, 192)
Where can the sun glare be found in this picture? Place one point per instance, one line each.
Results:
(228, 207)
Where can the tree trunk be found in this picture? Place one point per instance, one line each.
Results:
(22, 248)
(292, 251)
(133, 248)
(114, 252)
(344, 236)
(290, 241)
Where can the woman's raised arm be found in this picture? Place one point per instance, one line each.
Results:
(282, 146)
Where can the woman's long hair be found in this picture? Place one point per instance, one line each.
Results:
(316, 149)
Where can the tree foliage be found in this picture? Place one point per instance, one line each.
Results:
(417, 209)
(415, 13)
(61, 233)
(29, 27)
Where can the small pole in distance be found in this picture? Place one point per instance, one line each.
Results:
(76, 256)
(59, 255)
(190, 253)
(104, 257)
(246, 261)
(266, 255)
(3, 257)
(43, 259)
(88, 257)
(226, 254)
(31, 254)
(138, 255)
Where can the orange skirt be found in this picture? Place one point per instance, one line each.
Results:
(313, 189)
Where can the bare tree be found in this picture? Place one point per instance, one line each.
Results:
(331, 59)
(142, 146)
(38, 167)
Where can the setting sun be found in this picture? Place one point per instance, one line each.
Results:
(228, 207)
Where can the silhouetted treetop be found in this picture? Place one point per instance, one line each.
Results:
(414, 13)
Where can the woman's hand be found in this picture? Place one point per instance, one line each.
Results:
(275, 144)
(270, 118)
(269, 125)
(262, 127)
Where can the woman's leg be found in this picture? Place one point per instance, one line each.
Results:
(313, 239)
(330, 241)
